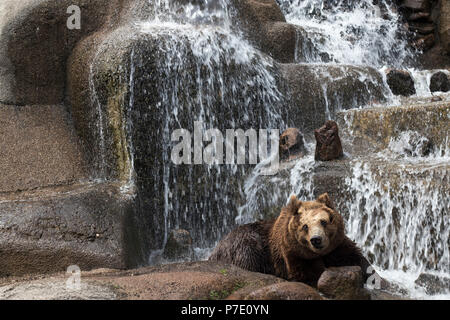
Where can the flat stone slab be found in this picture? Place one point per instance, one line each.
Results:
(185, 281)
(375, 127)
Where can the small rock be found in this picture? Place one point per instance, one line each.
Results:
(328, 145)
(433, 284)
(280, 291)
(343, 283)
(292, 145)
(400, 82)
(439, 82)
(179, 246)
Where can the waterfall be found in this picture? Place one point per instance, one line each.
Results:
(399, 210)
(202, 70)
(356, 32)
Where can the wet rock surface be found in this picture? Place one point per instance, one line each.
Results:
(343, 283)
(375, 128)
(440, 81)
(434, 284)
(179, 246)
(400, 82)
(317, 91)
(328, 142)
(444, 26)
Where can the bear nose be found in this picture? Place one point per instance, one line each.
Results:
(316, 241)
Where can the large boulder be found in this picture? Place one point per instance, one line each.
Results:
(39, 148)
(317, 92)
(440, 81)
(343, 283)
(265, 26)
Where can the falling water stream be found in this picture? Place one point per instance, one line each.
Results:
(206, 72)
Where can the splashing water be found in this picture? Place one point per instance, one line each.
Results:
(399, 216)
(352, 32)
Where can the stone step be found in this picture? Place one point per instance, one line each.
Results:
(376, 128)
(38, 148)
(89, 225)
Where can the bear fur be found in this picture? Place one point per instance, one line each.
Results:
(306, 238)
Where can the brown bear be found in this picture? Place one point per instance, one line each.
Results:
(306, 238)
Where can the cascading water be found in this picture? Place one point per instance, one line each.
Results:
(399, 210)
(202, 70)
(351, 31)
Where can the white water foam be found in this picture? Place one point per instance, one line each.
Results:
(351, 32)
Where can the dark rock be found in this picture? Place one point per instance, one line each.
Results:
(280, 291)
(265, 25)
(319, 91)
(179, 246)
(292, 144)
(417, 5)
(422, 28)
(439, 82)
(329, 145)
(400, 82)
(343, 283)
(279, 41)
(425, 43)
(433, 284)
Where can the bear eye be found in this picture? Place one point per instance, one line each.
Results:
(305, 227)
(323, 223)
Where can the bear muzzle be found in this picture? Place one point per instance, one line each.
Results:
(316, 242)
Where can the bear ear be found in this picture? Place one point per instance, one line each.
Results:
(293, 205)
(325, 199)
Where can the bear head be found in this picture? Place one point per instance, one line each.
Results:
(314, 227)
